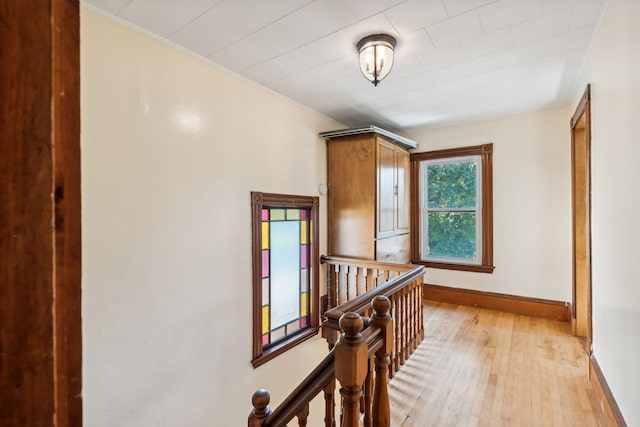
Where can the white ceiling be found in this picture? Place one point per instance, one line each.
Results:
(456, 60)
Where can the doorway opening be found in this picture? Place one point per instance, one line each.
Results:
(581, 213)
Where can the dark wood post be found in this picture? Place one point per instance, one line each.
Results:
(351, 358)
(380, 318)
(40, 213)
(261, 410)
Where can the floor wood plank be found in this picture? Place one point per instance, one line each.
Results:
(479, 367)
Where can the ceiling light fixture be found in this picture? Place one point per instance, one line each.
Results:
(376, 56)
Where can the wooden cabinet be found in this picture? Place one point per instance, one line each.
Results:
(393, 189)
(368, 198)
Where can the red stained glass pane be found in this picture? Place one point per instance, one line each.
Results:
(303, 256)
(303, 322)
(265, 263)
(303, 214)
(265, 214)
(265, 339)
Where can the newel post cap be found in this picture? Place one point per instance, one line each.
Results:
(382, 319)
(261, 410)
(351, 353)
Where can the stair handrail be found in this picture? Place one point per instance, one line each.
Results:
(401, 283)
(348, 362)
(361, 303)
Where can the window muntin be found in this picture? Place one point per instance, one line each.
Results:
(285, 273)
(451, 210)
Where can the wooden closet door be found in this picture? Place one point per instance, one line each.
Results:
(351, 175)
(402, 200)
(386, 205)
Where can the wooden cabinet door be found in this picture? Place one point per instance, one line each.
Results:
(351, 176)
(386, 203)
(402, 189)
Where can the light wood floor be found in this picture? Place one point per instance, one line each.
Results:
(480, 367)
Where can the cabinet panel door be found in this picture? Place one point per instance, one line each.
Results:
(351, 172)
(403, 165)
(386, 189)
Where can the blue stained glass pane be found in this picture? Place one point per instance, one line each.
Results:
(285, 272)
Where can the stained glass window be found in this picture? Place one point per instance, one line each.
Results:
(285, 272)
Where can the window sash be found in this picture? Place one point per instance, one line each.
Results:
(276, 329)
(425, 210)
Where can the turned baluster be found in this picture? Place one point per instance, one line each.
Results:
(421, 311)
(338, 284)
(303, 415)
(416, 305)
(261, 410)
(381, 414)
(371, 279)
(403, 324)
(405, 321)
(343, 284)
(396, 347)
(414, 317)
(331, 295)
(360, 281)
(329, 405)
(351, 369)
(368, 395)
(333, 300)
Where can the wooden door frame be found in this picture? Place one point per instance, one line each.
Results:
(40, 229)
(583, 110)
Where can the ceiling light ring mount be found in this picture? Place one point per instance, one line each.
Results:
(375, 54)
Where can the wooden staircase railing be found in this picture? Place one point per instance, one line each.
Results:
(353, 282)
(359, 361)
(377, 310)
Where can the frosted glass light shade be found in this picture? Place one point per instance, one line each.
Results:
(376, 56)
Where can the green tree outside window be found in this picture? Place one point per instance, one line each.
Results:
(451, 209)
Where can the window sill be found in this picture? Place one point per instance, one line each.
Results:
(460, 267)
(274, 351)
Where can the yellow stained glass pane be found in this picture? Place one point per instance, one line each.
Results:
(293, 214)
(310, 231)
(303, 304)
(265, 235)
(277, 214)
(265, 319)
(303, 232)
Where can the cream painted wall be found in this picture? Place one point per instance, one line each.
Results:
(172, 146)
(532, 203)
(613, 69)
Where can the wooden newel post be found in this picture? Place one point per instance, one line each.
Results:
(261, 410)
(381, 413)
(351, 358)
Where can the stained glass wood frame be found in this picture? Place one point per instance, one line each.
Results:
(283, 213)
